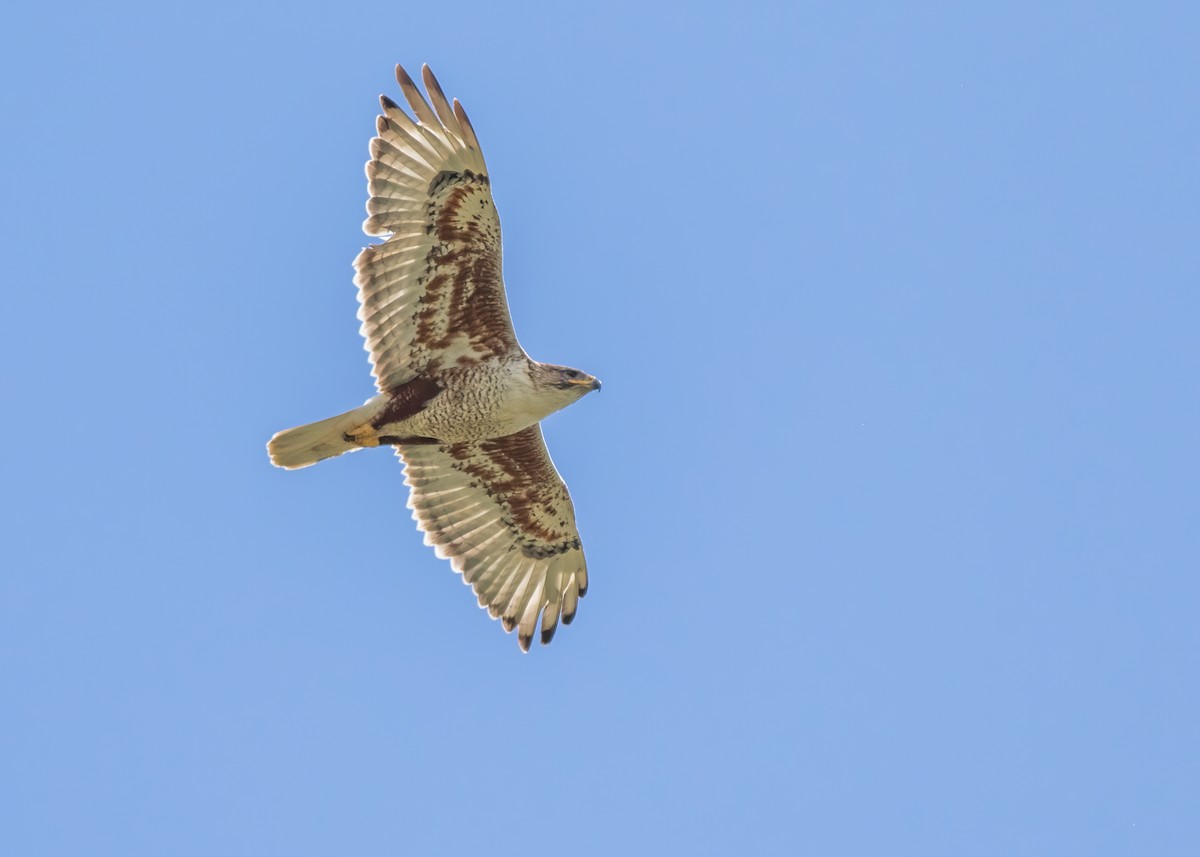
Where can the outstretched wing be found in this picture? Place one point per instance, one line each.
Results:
(432, 294)
(499, 511)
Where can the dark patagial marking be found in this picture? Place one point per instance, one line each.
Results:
(536, 551)
(446, 177)
(463, 286)
(517, 475)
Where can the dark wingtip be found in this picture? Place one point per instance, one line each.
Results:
(387, 103)
(524, 641)
(508, 623)
(406, 82)
(548, 635)
(568, 618)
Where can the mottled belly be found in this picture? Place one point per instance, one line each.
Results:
(471, 406)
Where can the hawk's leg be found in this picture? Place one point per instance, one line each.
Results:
(416, 441)
(365, 435)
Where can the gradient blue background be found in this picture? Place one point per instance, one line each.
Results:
(890, 498)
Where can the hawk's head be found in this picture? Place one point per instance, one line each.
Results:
(563, 382)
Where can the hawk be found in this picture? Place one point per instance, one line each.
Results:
(459, 399)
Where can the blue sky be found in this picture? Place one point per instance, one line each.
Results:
(890, 499)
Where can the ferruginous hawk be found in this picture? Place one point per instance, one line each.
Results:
(459, 398)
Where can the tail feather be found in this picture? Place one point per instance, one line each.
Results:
(308, 444)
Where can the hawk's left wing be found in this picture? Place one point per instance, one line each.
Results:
(432, 294)
(499, 511)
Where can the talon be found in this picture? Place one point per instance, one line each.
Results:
(364, 435)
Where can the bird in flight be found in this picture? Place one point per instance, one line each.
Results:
(459, 399)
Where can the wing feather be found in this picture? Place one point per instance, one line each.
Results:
(499, 511)
(465, 124)
(432, 294)
(414, 98)
(440, 105)
(528, 613)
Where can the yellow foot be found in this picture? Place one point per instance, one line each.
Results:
(364, 435)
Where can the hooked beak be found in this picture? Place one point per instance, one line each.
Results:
(589, 382)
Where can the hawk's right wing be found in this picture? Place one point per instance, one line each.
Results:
(499, 511)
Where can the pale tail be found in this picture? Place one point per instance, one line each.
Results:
(305, 445)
